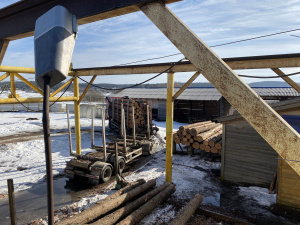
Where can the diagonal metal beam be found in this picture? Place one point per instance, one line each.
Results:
(61, 87)
(287, 79)
(3, 46)
(185, 85)
(29, 84)
(87, 88)
(270, 125)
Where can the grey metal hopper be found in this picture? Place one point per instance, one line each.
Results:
(54, 40)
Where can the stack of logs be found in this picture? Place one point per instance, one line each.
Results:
(205, 136)
(140, 112)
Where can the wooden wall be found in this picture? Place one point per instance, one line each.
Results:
(288, 189)
(246, 157)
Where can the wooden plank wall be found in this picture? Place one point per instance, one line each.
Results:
(288, 189)
(247, 158)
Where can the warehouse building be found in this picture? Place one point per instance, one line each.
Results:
(197, 104)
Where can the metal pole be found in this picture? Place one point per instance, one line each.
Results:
(77, 116)
(93, 116)
(47, 141)
(103, 132)
(169, 127)
(124, 131)
(11, 195)
(148, 123)
(69, 132)
(122, 115)
(133, 127)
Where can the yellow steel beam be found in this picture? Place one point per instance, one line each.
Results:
(269, 124)
(87, 88)
(12, 85)
(287, 79)
(3, 49)
(35, 100)
(4, 76)
(77, 116)
(185, 86)
(169, 127)
(29, 83)
(16, 69)
(61, 87)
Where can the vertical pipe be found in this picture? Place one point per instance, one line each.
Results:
(77, 116)
(122, 115)
(169, 127)
(133, 126)
(124, 131)
(69, 132)
(93, 116)
(12, 84)
(11, 195)
(103, 132)
(148, 123)
(47, 141)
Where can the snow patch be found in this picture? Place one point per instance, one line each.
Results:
(258, 194)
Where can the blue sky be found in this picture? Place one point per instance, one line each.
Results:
(133, 37)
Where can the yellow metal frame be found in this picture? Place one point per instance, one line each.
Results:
(12, 72)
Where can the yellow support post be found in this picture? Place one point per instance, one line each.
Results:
(77, 116)
(12, 86)
(169, 127)
(29, 84)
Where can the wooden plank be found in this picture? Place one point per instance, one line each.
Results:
(269, 124)
(287, 79)
(179, 92)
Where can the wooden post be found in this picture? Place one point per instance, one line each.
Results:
(77, 116)
(69, 132)
(148, 123)
(93, 131)
(169, 127)
(103, 132)
(269, 124)
(133, 127)
(11, 195)
(117, 166)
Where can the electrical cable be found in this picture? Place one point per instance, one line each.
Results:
(3, 89)
(49, 106)
(135, 85)
(268, 77)
(213, 46)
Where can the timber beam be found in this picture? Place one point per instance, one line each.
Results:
(287, 79)
(18, 20)
(269, 124)
(237, 63)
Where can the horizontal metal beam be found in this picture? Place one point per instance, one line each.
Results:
(254, 62)
(35, 100)
(18, 20)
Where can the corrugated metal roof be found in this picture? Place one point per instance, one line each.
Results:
(200, 94)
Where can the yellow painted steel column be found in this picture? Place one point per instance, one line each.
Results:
(169, 127)
(12, 86)
(77, 116)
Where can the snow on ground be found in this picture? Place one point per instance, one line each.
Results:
(25, 161)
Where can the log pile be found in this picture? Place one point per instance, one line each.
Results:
(140, 112)
(126, 206)
(206, 136)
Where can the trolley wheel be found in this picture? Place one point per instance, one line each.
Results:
(105, 174)
(122, 164)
